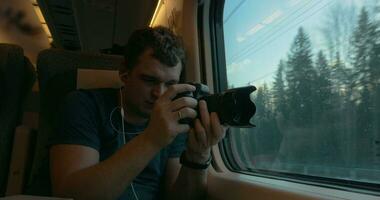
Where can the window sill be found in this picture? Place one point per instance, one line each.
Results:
(229, 185)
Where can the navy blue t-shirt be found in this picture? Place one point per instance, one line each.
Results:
(92, 118)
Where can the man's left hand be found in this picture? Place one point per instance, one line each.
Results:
(207, 131)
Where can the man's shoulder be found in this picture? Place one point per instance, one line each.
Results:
(91, 100)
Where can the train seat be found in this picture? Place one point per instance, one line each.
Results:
(13, 92)
(60, 72)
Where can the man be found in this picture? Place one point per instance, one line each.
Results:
(127, 144)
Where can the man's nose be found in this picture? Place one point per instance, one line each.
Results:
(158, 90)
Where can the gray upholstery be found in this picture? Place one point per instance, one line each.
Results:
(17, 76)
(57, 73)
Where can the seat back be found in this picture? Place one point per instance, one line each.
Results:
(17, 76)
(57, 76)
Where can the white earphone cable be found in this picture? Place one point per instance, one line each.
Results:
(122, 126)
(123, 133)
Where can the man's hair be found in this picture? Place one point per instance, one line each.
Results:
(167, 47)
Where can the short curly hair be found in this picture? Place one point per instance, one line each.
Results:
(167, 47)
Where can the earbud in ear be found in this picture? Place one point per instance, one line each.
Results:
(123, 76)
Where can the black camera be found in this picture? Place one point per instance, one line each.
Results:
(234, 106)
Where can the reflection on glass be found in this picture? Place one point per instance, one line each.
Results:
(316, 64)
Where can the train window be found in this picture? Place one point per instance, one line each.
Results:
(315, 64)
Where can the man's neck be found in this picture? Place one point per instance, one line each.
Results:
(135, 120)
(131, 118)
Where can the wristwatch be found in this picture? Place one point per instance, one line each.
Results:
(193, 165)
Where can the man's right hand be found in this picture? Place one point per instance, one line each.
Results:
(163, 124)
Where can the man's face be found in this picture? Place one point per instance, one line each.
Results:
(146, 82)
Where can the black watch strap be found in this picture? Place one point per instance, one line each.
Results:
(193, 165)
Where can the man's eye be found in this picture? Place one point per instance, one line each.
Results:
(170, 84)
(149, 80)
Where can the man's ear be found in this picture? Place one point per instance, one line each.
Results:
(123, 72)
(123, 75)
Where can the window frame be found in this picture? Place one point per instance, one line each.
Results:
(211, 26)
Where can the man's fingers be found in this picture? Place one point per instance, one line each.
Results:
(217, 130)
(200, 133)
(183, 102)
(176, 89)
(204, 115)
(183, 128)
(192, 141)
(184, 113)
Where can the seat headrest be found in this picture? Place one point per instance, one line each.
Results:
(55, 63)
(95, 78)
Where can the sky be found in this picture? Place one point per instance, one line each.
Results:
(258, 34)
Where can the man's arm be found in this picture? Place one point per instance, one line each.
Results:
(187, 183)
(76, 170)
(183, 182)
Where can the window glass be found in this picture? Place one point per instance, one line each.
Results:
(316, 66)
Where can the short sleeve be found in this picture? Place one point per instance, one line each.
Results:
(177, 146)
(78, 122)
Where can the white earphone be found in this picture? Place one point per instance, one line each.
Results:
(121, 99)
(122, 115)
(123, 132)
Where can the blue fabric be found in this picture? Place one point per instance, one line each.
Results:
(86, 120)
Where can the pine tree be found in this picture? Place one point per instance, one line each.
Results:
(365, 63)
(323, 86)
(362, 41)
(262, 102)
(300, 77)
(266, 137)
(279, 93)
(343, 118)
(365, 66)
(364, 113)
(340, 77)
(374, 70)
(374, 65)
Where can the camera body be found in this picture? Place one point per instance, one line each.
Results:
(234, 106)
